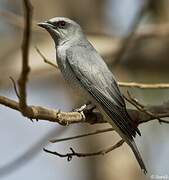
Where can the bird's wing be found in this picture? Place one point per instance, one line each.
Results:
(95, 77)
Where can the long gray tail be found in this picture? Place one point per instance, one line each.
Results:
(133, 146)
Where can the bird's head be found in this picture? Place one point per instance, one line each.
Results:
(62, 29)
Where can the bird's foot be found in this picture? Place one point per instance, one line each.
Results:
(81, 109)
(86, 108)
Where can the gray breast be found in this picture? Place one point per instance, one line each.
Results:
(68, 74)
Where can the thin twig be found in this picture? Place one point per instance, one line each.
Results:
(45, 59)
(70, 155)
(143, 85)
(141, 107)
(14, 86)
(125, 44)
(163, 121)
(82, 135)
(25, 55)
(137, 105)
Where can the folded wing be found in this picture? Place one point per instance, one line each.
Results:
(93, 75)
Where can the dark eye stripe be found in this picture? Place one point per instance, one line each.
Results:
(49, 22)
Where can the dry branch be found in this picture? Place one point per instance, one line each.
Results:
(82, 135)
(121, 84)
(70, 155)
(45, 59)
(143, 85)
(66, 118)
(25, 55)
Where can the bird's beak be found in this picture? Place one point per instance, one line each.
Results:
(50, 28)
(45, 25)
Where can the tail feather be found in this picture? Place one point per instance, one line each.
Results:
(130, 120)
(135, 150)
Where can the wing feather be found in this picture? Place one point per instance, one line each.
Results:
(106, 93)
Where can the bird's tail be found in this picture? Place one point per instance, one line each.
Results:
(134, 148)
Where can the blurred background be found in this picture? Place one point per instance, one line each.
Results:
(105, 22)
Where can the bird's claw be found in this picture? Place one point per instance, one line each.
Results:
(81, 109)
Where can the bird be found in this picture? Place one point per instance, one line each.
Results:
(86, 71)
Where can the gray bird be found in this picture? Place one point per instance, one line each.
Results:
(84, 68)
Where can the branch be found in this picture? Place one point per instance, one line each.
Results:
(25, 55)
(45, 59)
(66, 118)
(139, 106)
(70, 155)
(121, 84)
(143, 85)
(57, 116)
(82, 135)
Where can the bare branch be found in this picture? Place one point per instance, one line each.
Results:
(121, 84)
(66, 118)
(57, 116)
(45, 59)
(25, 55)
(136, 104)
(70, 155)
(143, 85)
(82, 135)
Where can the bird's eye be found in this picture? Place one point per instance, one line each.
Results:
(61, 24)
